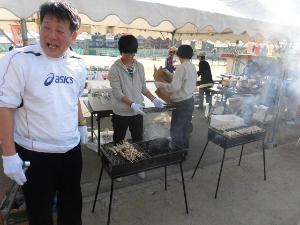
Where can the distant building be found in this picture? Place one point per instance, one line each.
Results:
(110, 41)
(207, 46)
(97, 41)
(141, 41)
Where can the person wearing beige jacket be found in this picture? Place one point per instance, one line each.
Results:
(182, 88)
(128, 82)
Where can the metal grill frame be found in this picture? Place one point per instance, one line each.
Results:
(218, 138)
(128, 168)
(224, 141)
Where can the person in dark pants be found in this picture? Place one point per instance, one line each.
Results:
(182, 88)
(206, 81)
(128, 82)
(41, 119)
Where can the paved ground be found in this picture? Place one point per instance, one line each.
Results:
(244, 197)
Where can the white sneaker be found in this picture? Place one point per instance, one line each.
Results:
(119, 179)
(142, 175)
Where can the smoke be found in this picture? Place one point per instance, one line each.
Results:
(278, 84)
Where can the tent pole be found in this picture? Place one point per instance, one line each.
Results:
(11, 41)
(173, 37)
(24, 32)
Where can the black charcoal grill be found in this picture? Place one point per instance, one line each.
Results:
(220, 138)
(156, 154)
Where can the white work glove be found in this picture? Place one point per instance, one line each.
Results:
(157, 103)
(159, 84)
(137, 108)
(83, 134)
(13, 168)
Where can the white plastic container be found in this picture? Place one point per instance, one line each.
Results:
(99, 95)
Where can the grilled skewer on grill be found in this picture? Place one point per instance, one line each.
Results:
(127, 151)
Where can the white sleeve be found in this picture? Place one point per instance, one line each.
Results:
(12, 81)
(177, 80)
(83, 77)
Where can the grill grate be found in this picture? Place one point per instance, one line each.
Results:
(116, 159)
(220, 138)
(156, 153)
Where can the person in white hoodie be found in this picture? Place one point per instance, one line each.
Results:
(182, 88)
(128, 82)
(41, 119)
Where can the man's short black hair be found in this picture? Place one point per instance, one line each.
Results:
(62, 11)
(185, 52)
(128, 44)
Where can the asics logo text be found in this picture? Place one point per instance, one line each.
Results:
(51, 78)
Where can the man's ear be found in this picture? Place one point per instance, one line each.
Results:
(74, 36)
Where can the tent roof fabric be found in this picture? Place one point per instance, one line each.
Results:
(241, 19)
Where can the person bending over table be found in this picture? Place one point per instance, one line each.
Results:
(41, 118)
(181, 88)
(128, 82)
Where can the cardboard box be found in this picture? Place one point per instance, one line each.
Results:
(162, 76)
(164, 95)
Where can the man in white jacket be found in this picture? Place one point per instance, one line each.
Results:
(41, 119)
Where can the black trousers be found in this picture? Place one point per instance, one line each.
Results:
(208, 96)
(53, 174)
(121, 123)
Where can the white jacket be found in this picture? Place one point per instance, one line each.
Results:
(48, 90)
(183, 83)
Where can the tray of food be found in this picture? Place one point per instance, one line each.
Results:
(123, 153)
(129, 158)
(127, 151)
(249, 130)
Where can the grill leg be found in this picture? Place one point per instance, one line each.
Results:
(183, 186)
(220, 173)
(166, 178)
(264, 159)
(97, 190)
(241, 155)
(92, 126)
(98, 121)
(199, 160)
(110, 200)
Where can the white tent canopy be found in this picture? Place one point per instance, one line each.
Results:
(214, 19)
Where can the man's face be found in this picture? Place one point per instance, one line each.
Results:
(55, 36)
(127, 58)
